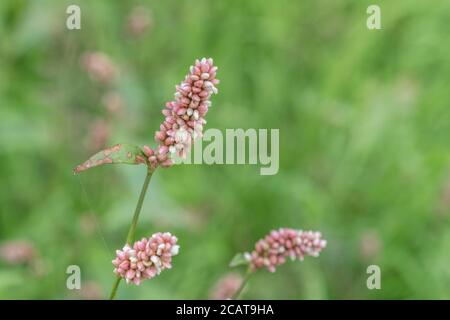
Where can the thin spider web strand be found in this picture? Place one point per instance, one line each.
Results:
(92, 212)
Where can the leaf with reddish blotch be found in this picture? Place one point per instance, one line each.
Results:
(120, 153)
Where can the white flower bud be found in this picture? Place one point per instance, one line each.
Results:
(196, 115)
(174, 250)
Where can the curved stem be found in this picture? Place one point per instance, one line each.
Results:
(242, 286)
(132, 231)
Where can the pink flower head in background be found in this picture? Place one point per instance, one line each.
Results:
(113, 102)
(139, 21)
(370, 244)
(226, 286)
(185, 116)
(99, 134)
(17, 252)
(90, 290)
(280, 244)
(147, 258)
(99, 66)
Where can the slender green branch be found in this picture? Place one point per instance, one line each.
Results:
(132, 231)
(243, 284)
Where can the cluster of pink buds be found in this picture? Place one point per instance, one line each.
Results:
(185, 116)
(273, 250)
(147, 258)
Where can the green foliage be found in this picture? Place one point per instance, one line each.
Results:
(364, 157)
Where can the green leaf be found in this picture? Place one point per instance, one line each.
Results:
(120, 153)
(238, 260)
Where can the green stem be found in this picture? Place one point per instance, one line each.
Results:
(243, 284)
(114, 288)
(131, 232)
(137, 211)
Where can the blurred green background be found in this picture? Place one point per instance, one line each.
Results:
(364, 144)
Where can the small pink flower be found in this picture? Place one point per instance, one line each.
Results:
(147, 258)
(280, 244)
(182, 143)
(185, 116)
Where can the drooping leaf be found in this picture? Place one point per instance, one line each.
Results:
(120, 153)
(238, 260)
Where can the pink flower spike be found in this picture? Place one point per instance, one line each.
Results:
(146, 258)
(183, 122)
(273, 250)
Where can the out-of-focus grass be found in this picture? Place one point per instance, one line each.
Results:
(364, 131)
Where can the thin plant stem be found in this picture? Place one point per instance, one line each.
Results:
(137, 211)
(114, 288)
(243, 284)
(132, 231)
